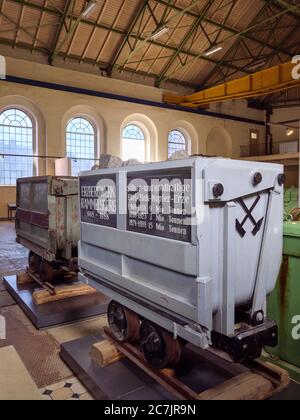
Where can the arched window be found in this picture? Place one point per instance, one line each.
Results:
(133, 143)
(16, 138)
(177, 141)
(81, 144)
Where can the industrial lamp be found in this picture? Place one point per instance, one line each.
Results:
(89, 8)
(289, 132)
(213, 50)
(159, 32)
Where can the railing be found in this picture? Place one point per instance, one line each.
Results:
(276, 148)
(14, 166)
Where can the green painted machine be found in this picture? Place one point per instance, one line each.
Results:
(284, 302)
(290, 200)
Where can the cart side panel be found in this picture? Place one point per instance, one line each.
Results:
(35, 225)
(47, 220)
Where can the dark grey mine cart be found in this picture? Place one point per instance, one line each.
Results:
(47, 225)
(47, 219)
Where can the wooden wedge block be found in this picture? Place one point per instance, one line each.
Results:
(247, 386)
(280, 376)
(105, 353)
(24, 278)
(62, 292)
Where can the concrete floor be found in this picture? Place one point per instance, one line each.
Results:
(38, 350)
(13, 256)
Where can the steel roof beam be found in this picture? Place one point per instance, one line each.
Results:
(222, 26)
(54, 47)
(127, 35)
(163, 2)
(39, 25)
(149, 40)
(139, 38)
(234, 46)
(241, 34)
(271, 55)
(189, 34)
(284, 5)
(23, 45)
(102, 65)
(20, 28)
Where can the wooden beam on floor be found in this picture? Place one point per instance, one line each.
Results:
(62, 292)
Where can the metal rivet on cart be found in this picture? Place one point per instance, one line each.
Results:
(218, 190)
(281, 179)
(257, 179)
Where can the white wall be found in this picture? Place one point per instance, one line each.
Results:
(279, 135)
(284, 114)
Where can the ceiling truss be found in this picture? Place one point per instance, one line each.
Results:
(267, 39)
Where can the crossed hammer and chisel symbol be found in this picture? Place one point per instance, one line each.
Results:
(257, 224)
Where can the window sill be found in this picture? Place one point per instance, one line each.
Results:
(8, 186)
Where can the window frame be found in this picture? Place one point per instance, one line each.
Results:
(33, 137)
(186, 140)
(144, 140)
(95, 130)
(253, 131)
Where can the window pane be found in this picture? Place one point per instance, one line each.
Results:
(177, 142)
(133, 149)
(16, 138)
(133, 143)
(80, 140)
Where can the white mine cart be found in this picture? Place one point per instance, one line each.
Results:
(187, 250)
(47, 223)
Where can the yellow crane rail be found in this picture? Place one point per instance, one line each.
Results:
(264, 82)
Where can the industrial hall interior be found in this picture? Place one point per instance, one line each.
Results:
(149, 202)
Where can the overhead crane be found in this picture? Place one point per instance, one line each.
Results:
(264, 82)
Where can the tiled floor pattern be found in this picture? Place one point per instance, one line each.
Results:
(39, 350)
(71, 390)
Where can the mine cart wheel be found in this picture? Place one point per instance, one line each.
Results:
(34, 262)
(46, 272)
(123, 323)
(160, 349)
